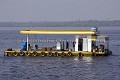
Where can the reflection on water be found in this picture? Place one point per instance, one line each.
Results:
(86, 67)
(87, 59)
(76, 59)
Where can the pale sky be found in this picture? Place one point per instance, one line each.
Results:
(58, 10)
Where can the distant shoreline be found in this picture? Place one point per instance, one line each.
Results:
(58, 28)
(89, 23)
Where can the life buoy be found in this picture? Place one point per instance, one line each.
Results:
(80, 54)
(69, 54)
(62, 54)
(42, 53)
(50, 54)
(15, 54)
(27, 53)
(56, 54)
(22, 53)
(93, 54)
(35, 53)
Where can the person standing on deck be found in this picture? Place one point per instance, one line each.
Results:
(74, 45)
(67, 45)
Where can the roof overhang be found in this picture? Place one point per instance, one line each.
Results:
(102, 37)
(83, 32)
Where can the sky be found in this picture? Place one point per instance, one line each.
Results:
(58, 10)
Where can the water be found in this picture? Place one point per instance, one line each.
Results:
(58, 68)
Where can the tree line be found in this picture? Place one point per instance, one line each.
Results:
(88, 23)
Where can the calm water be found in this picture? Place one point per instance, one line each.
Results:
(58, 68)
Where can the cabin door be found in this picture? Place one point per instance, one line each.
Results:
(80, 44)
(85, 44)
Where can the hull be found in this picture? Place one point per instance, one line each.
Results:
(55, 53)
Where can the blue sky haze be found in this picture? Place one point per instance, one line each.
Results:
(58, 10)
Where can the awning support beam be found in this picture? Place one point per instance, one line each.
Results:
(27, 41)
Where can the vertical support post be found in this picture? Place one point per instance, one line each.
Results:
(35, 39)
(27, 41)
(108, 43)
(76, 45)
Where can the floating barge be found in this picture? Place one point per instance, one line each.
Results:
(86, 43)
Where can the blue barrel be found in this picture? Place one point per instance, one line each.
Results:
(24, 46)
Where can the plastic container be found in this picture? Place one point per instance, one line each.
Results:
(24, 46)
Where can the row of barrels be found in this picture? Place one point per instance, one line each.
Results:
(42, 54)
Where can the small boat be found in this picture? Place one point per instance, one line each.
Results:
(86, 43)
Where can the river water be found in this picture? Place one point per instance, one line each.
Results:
(58, 68)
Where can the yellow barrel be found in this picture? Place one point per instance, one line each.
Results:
(44, 49)
(49, 49)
